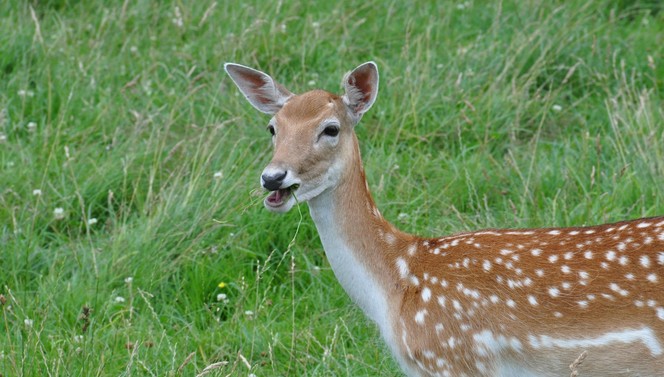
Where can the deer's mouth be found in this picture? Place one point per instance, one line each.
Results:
(279, 197)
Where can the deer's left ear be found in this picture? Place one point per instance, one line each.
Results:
(361, 86)
(259, 88)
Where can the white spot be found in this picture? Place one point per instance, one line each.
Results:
(574, 233)
(652, 278)
(554, 292)
(441, 300)
(643, 225)
(589, 231)
(414, 280)
(487, 343)
(451, 342)
(616, 288)
(553, 258)
(539, 272)
(402, 266)
(554, 232)
(390, 238)
(411, 249)
(441, 363)
(588, 254)
(486, 265)
(569, 255)
(558, 314)
(583, 304)
(426, 294)
(419, 316)
(457, 305)
(511, 303)
(565, 269)
(647, 240)
(660, 313)
(623, 260)
(566, 285)
(532, 300)
(644, 335)
(629, 276)
(583, 275)
(439, 328)
(536, 252)
(494, 299)
(645, 261)
(610, 255)
(660, 258)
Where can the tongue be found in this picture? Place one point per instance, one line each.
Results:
(276, 196)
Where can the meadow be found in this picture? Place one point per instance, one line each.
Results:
(133, 239)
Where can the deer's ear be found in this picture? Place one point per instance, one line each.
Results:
(361, 86)
(259, 88)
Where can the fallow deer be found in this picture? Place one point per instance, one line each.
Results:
(494, 302)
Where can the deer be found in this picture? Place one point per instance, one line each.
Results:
(495, 302)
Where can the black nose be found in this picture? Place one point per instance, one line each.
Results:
(274, 181)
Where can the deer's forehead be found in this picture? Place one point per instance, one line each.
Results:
(309, 108)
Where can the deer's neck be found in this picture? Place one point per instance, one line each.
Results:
(360, 245)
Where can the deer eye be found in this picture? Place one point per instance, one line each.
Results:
(271, 129)
(331, 131)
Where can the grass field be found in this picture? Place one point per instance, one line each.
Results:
(133, 239)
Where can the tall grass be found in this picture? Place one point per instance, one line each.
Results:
(132, 235)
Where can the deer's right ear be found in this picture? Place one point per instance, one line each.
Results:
(265, 94)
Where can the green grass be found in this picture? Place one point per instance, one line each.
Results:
(512, 114)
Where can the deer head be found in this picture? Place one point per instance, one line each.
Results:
(312, 133)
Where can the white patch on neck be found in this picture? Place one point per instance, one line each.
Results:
(353, 276)
(644, 335)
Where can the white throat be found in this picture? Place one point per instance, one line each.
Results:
(354, 276)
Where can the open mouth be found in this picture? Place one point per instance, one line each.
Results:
(278, 197)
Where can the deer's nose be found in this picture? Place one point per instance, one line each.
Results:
(273, 180)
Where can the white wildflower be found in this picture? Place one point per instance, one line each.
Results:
(36, 192)
(177, 20)
(78, 338)
(218, 174)
(59, 213)
(26, 93)
(119, 299)
(311, 83)
(32, 126)
(222, 297)
(28, 322)
(556, 108)
(128, 280)
(92, 221)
